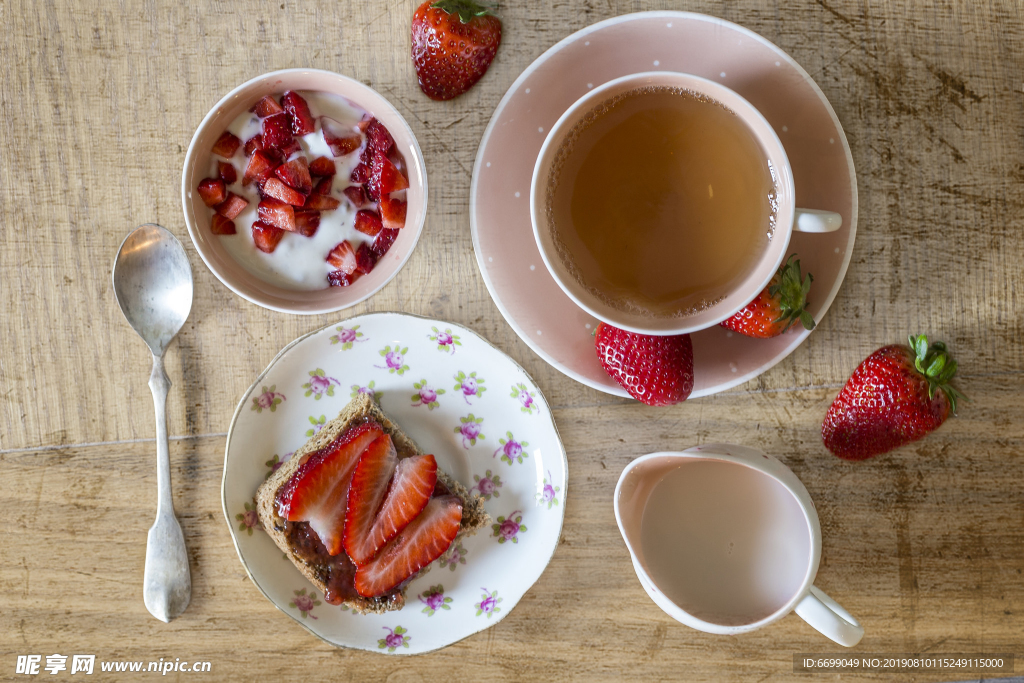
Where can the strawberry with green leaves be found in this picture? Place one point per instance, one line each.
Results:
(897, 395)
(453, 44)
(777, 307)
(655, 370)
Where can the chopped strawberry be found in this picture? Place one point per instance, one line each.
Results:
(254, 143)
(385, 178)
(221, 225)
(277, 213)
(365, 259)
(379, 137)
(392, 213)
(226, 145)
(268, 106)
(384, 241)
(232, 206)
(277, 131)
(259, 167)
(341, 139)
(212, 191)
(318, 491)
(323, 186)
(306, 222)
(343, 257)
(361, 173)
(322, 166)
(356, 195)
(290, 148)
(226, 172)
(302, 120)
(365, 122)
(339, 278)
(266, 236)
(322, 202)
(373, 519)
(416, 546)
(368, 223)
(295, 174)
(273, 187)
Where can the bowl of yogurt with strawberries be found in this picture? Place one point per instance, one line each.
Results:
(304, 191)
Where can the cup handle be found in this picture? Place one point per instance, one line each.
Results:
(812, 220)
(827, 617)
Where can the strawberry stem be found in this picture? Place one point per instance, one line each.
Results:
(938, 368)
(466, 9)
(791, 288)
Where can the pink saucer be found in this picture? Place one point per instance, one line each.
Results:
(526, 294)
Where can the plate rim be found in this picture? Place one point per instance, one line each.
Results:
(801, 335)
(243, 402)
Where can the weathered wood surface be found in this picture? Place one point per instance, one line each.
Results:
(99, 101)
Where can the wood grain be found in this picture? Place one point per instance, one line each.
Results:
(99, 103)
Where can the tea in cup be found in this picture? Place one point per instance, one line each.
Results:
(725, 539)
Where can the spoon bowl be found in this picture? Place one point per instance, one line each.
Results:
(153, 286)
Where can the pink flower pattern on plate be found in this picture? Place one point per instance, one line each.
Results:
(469, 385)
(268, 399)
(469, 430)
(305, 603)
(509, 528)
(394, 639)
(347, 336)
(487, 485)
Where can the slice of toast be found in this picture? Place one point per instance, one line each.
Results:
(358, 410)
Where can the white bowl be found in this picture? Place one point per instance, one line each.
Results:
(198, 215)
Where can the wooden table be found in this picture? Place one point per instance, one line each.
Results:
(99, 101)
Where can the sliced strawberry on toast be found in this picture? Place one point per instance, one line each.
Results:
(318, 492)
(295, 104)
(373, 473)
(424, 540)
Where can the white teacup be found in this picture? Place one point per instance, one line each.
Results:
(725, 539)
(788, 217)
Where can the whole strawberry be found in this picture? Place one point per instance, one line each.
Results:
(655, 370)
(897, 395)
(453, 44)
(778, 306)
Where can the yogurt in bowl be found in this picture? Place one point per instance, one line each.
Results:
(292, 270)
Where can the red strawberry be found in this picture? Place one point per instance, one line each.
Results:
(323, 186)
(778, 306)
(222, 226)
(416, 546)
(212, 191)
(259, 167)
(655, 370)
(341, 139)
(392, 213)
(306, 222)
(897, 395)
(290, 148)
(453, 44)
(339, 278)
(268, 106)
(343, 257)
(373, 519)
(322, 166)
(226, 145)
(277, 213)
(365, 259)
(378, 138)
(277, 131)
(368, 223)
(295, 174)
(361, 173)
(296, 106)
(254, 143)
(318, 491)
(384, 241)
(365, 122)
(385, 178)
(356, 195)
(226, 172)
(232, 206)
(266, 236)
(273, 187)
(322, 202)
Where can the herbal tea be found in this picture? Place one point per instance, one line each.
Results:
(660, 201)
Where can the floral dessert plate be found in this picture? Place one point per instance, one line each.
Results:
(459, 398)
(512, 267)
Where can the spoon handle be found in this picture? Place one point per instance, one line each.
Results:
(167, 584)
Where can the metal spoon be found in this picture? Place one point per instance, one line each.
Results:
(153, 287)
